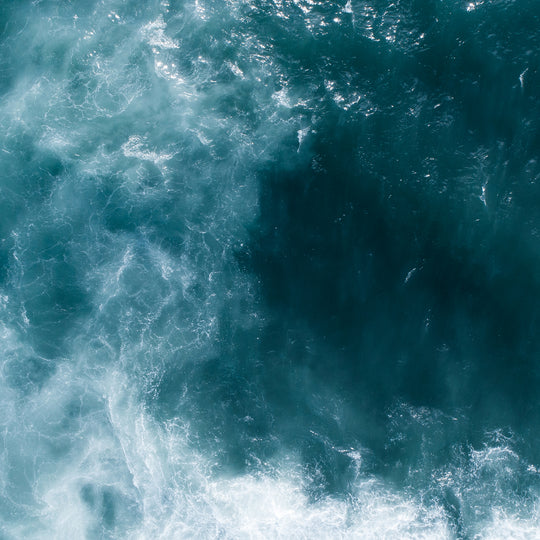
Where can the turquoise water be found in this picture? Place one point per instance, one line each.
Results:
(269, 269)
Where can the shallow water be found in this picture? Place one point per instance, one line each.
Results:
(269, 269)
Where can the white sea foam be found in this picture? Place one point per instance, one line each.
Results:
(155, 33)
(160, 486)
(135, 147)
(163, 487)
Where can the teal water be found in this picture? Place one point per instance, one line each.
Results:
(269, 269)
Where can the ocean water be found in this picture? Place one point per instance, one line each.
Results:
(269, 269)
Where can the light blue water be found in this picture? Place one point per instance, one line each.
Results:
(269, 269)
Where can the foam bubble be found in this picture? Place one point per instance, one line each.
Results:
(155, 34)
(135, 147)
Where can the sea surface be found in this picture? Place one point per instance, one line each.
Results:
(269, 269)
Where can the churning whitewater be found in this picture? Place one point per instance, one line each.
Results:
(269, 269)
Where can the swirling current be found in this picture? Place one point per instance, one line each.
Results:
(269, 269)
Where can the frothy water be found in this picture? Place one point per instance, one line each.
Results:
(269, 269)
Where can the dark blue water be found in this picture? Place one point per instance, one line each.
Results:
(269, 269)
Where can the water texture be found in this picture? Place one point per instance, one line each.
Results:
(269, 269)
